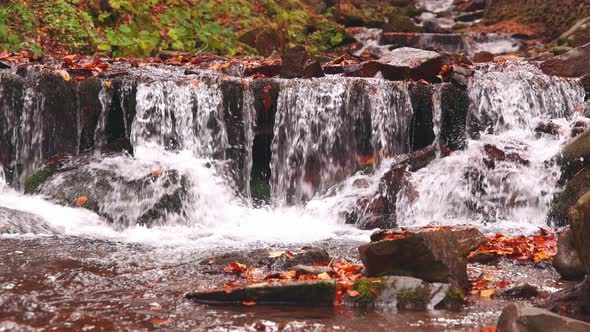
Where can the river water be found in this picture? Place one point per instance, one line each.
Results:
(81, 272)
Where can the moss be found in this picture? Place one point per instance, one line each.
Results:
(413, 299)
(368, 290)
(455, 296)
(34, 181)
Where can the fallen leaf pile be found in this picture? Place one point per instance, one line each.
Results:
(345, 275)
(535, 248)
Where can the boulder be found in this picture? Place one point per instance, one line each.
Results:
(434, 255)
(411, 63)
(571, 64)
(521, 318)
(263, 258)
(313, 293)
(577, 186)
(483, 56)
(401, 293)
(21, 222)
(522, 292)
(454, 107)
(579, 218)
(566, 261)
(447, 42)
(149, 197)
(575, 155)
(296, 63)
(578, 34)
(312, 270)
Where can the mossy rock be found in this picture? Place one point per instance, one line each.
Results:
(577, 186)
(33, 182)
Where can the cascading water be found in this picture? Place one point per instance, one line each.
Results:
(506, 178)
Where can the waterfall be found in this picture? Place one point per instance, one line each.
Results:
(105, 97)
(326, 129)
(29, 140)
(507, 176)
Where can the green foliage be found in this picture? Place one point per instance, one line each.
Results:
(142, 28)
(368, 290)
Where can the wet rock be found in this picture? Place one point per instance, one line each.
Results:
(521, 318)
(295, 64)
(401, 293)
(411, 63)
(363, 69)
(495, 155)
(460, 75)
(21, 222)
(269, 259)
(482, 257)
(471, 16)
(470, 5)
(579, 218)
(268, 70)
(575, 155)
(311, 270)
(436, 255)
(454, 106)
(577, 186)
(90, 109)
(360, 183)
(578, 34)
(421, 96)
(566, 261)
(12, 87)
(313, 293)
(371, 221)
(572, 64)
(548, 128)
(523, 291)
(483, 57)
(448, 42)
(578, 128)
(573, 302)
(155, 196)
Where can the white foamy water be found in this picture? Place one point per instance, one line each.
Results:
(507, 101)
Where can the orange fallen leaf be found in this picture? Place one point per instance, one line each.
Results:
(487, 293)
(158, 171)
(324, 276)
(107, 84)
(249, 303)
(352, 293)
(80, 201)
(488, 277)
(159, 321)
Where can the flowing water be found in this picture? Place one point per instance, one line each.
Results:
(82, 272)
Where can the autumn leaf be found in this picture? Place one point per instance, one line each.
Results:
(249, 303)
(235, 267)
(352, 293)
(80, 201)
(487, 292)
(324, 276)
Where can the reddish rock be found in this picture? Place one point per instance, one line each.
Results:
(483, 56)
(294, 61)
(411, 63)
(571, 64)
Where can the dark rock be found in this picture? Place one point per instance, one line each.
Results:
(482, 257)
(411, 63)
(313, 69)
(579, 218)
(566, 261)
(90, 110)
(376, 220)
(578, 34)
(422, 130)
(566, 198)
(432, 255)
(579, 128)
(573, 302)
(312, 270)
(315, 293)
(483, 56)
(521, 318)
(586, 82)
(268, 70)
(460, 75)
(294, 60)
(267, 259)
(469, 17)
(575, 155)
(523, 291)
(434, 26)
(11, 105)
(454, 106)
(401, 293)
(497, 155)
(65, 180)
(360, 183)
(548, 128)
(572, 64)
(471, 5)
(21, 222)
(363, 69)
(447, 42)
(5, 65)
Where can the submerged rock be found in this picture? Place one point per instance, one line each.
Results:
(21, 222)
(145, 198)
(522, 291)
(566, 261)
(280, 260)
(402, 293)
(436, 255)
(521, 318)
(571, 64)
(313, 293)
